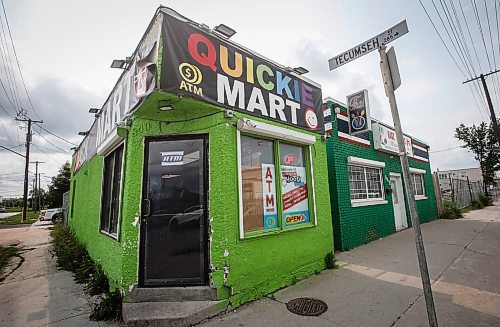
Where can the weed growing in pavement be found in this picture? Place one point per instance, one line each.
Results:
(476, 204)
(485, 200)
(109, 308)
(330, 261)
(72, 256)
(451, 211)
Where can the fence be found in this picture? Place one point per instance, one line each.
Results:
(463, 192)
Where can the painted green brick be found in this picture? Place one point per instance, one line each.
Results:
(355, 226)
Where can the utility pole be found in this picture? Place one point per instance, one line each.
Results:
(410, 188)
(26, 167)
(37, 184)
(488, 99)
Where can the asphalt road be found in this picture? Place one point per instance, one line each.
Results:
(7, 214)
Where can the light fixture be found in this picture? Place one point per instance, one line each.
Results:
(224, 30)
(300, 70)
(122, 64)
(165, 107)
(94, 110)
(83, 133)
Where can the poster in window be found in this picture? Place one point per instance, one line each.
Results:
(269, 196)
(295, 197)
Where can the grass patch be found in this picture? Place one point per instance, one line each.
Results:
(31, 217)
(7, 253)
(72, 256)
(15, 209)
(330, 261)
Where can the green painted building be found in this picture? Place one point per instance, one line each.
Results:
(203, 175)
(367, 190)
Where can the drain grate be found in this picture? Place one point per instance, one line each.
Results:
(307, 306)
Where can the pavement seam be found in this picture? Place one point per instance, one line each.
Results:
(486, 254)
(406, 310)
(439, 276)
(53, 322)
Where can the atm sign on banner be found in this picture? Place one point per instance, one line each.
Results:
(269, 196)
(295, 195)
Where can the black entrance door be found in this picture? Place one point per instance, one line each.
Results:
(173, 228)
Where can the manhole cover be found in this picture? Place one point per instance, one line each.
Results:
(307, 306)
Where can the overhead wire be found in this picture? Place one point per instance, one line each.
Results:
(7, 61)
(447, 48)
(18, 65)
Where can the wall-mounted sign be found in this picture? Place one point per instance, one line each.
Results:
(172, 158)
(269, 197)
(295, 197)
(385, 140)
(199, 64)
(138, 80)
(358, 110)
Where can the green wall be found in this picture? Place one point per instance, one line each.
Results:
(355, 226)
(257, 266)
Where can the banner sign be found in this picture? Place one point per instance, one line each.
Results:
(358, 110)
(385, 140)
(138, 81)
(269, 197)
(203, 66)
(295, 196)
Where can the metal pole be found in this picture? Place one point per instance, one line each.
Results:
(39, 193)
(424, 272)
(470, 190)
(36, 184)
(490, 106)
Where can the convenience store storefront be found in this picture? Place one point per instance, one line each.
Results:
(205, 167)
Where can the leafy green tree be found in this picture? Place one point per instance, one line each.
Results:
(482, 142)
(59, 186)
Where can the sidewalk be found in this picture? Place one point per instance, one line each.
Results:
(379, 283)
(37, 293)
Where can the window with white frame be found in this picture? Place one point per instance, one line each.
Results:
(419, 185)
(272, 170)
(365, 183)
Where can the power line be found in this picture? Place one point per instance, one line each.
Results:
(55, 146)
(447, 149)
(17, 61)
(51, 133)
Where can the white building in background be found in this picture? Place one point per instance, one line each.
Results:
(445, 176)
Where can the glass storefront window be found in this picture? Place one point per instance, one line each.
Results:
(275, 191)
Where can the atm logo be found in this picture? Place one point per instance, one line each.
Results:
(172, 158)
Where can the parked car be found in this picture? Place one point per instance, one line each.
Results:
(2, 210)
(51, 214)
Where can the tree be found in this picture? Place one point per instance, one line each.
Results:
(59, 186)
(482, 142)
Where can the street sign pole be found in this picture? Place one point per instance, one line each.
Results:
(410, 188)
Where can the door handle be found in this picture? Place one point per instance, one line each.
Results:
(146, 206)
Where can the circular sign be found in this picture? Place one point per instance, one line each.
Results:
(358, 122)
(311, 119)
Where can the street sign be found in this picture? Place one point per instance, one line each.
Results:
(368, 46)
(393, 67)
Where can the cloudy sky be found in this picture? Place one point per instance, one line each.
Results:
(65, 49)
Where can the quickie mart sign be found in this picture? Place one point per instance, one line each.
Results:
(200, 65)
